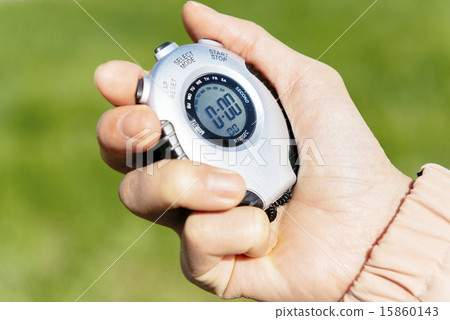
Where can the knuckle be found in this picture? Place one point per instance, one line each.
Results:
(102, 125)
(248, 42)
(108, 137)
(329, 74)
(168, 187)
(172, 184)
(318, 77)
(256, 28)
(258, 224)
(128, 190)
(179, 176)
(192, 232)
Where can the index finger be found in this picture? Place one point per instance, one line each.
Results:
(117, 81)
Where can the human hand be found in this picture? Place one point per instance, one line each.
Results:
(321, 239)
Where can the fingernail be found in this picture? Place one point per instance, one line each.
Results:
(225, 183)
(200, 5)
(133, 122)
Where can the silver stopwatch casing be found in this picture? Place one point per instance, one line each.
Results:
(260, 156)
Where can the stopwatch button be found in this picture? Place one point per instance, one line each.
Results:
(162, 46)
(164, 49)
(139, 90)
(210, 42)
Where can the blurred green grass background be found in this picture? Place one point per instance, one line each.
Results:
(61, 222)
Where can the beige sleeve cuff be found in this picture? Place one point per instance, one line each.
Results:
(411, 262)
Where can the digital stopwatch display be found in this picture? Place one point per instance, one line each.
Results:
(220, 110)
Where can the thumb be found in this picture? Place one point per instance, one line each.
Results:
(267, 54)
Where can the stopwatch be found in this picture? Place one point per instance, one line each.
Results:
(216, 109)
